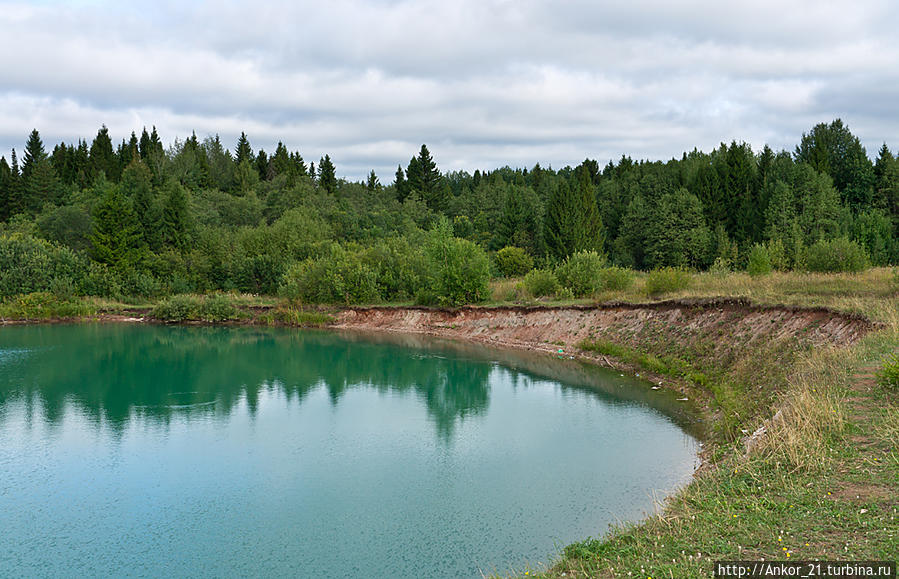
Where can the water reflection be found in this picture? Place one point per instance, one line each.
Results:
(114, 373)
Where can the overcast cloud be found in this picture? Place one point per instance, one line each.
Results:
(483, 82)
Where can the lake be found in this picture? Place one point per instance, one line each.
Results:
(194, 451)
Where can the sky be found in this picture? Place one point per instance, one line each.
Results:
(484, 83)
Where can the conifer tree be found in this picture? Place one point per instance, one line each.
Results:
(34, 153)
(176, 216)
(102, 157)
(561, 225)
(243, 151)
(116, 239)
(372, 184)
(136, 186)
(400, 184)
(327, 179)
(5, 189)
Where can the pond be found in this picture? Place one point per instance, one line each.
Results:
(192, 451)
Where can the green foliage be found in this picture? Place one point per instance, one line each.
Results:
(459, 269)
(759, 261)
(616, 278)
(340, 277)
(541, 282)
(582, 272)
(838, 255)
(293, 316)
(177, 308)
(677, 235)
(888, 376)
(184, 307)
(30, 265)
(667, 280)
(42, 305)
(513, 261)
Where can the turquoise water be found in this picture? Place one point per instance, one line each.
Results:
(157, 451)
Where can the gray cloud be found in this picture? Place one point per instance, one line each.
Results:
(483, 82)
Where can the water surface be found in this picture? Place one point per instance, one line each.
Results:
(152, 451)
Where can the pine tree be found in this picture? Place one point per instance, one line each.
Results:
(400, 184)
(5, 189)
(143, 145)
(176, 216)
(590, 234)
(280, 161)
(136, 186)
(102, 157)
(34, 154)
(327, 179)
(430, 175)
(116, 239)
(262, 164)
(372, 184)
(561, 225)
(243, 151)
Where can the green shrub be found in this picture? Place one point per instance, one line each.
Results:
(217, 308)
(837, 255)
(541, 282)
(616, 278)
(759, 262)
(582, 272)
(178, 308)
(459, 270)
(337, 278)
(42, 305)
(889, 373)
(666, 280)
(513, 261)
(29, 265)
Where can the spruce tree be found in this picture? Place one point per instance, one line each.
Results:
(327, 179)
(102, 157)
(561, 225)
(136, 186)
(243, 151)
(176, 216)
(372, 184)
(34, 153)
(589, 235)
(116, 239)
(400, 184)
(5, 188)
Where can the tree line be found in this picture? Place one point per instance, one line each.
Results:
(140, 219)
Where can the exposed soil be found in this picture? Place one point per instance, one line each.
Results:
(726, 324)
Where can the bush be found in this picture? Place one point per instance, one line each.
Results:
(178, 308)
(666, 280)
(217, 308)
(38, 305)
(459, 270)
(513, 261)
(759, 261)
(340, 277)
(837, 255)
(889, 373)
(541, 282)
(582, 272)
(616, 278)
(29, 265)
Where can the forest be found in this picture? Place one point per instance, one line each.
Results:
(139, 220)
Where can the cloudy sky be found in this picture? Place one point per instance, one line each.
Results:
(484, 83)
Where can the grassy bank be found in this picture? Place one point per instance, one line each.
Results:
(821, 481)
